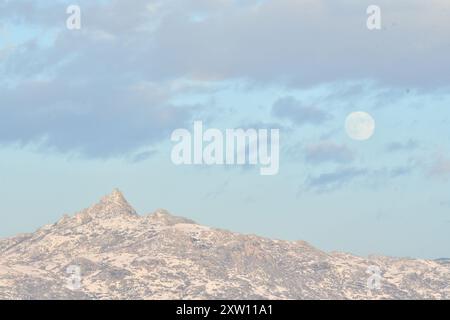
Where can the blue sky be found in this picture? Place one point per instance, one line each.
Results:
(85, 111)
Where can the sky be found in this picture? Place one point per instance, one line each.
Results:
(87, 110)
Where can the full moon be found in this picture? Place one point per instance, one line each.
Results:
(360, 125)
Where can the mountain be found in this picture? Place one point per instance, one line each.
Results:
(108, 251)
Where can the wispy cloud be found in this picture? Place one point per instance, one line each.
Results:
(327, 151)
(402, 146)
(142, 156)
(440, 168)
(218, 190)
(400, 171)
(330, 181)
(294, 110)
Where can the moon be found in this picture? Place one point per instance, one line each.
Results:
(360, 125)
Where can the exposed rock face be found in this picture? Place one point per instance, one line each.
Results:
(121, 255)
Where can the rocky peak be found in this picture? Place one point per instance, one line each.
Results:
(163, 216)
(113, 204)
(115, 197)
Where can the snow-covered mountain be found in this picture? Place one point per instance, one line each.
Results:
(108, 251)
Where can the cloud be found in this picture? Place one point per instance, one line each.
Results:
(343, 176)
(142, 156)
(304, 43)
(402, 146)
(88, 91)
(95, 118)
(293, 110)
(327, 151)
(440, 168)
(327, 182)
(109, 88)
(400, 171)
(299, 43)
(218, 190)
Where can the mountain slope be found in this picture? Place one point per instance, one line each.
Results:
(121, 255)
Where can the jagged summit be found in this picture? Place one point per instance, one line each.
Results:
(113, 204)
(115, 197)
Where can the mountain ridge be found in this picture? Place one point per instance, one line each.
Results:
(122, 255)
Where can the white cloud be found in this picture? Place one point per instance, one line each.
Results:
(82, 90)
